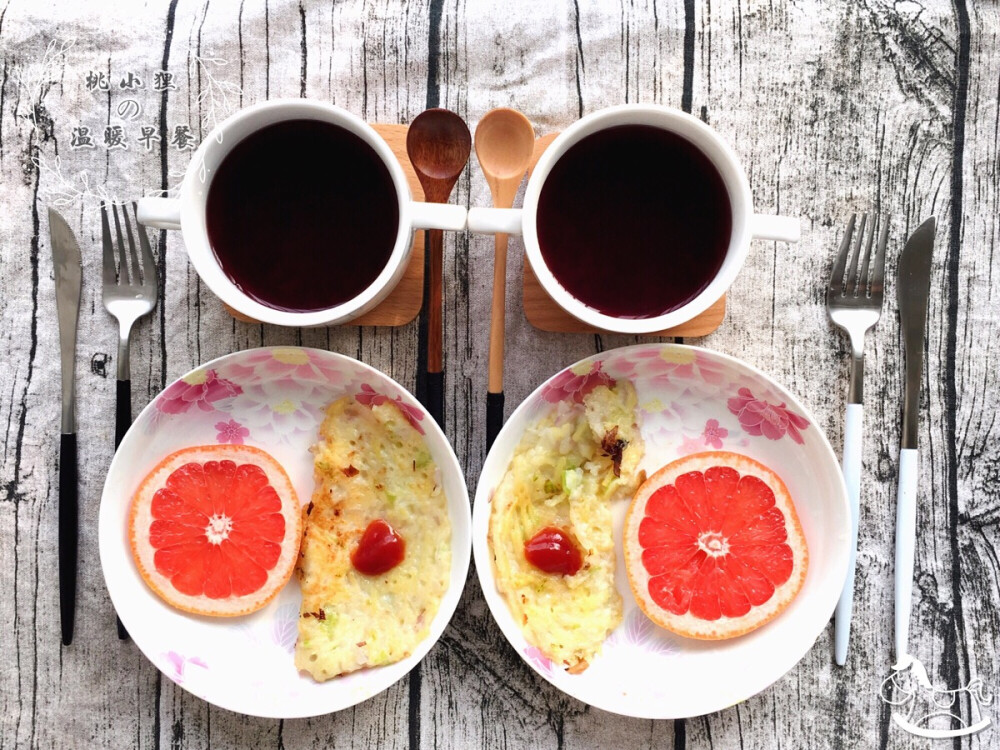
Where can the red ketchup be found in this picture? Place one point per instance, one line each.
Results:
(380, 550)
(552, 550)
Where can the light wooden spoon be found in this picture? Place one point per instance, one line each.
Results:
(438, 143)
(505, 142)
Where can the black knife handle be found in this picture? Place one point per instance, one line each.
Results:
(435, 397)
(123, 420)
(68, 533)
(494, 417)
(123, 410)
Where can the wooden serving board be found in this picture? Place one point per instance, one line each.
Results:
(403, 302)
(545, 314)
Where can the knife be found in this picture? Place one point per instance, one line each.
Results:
(69, 277)
(913, 283)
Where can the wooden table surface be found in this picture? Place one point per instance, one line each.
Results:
(833, 106)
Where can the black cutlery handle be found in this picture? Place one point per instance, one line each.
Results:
(68, 533)
(494, 417)
(123, 420)
(435, 396)
(123, 410)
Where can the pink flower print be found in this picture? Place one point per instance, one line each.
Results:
(282, 362)
(285, 627)
(231, 432)
(659, 365)
(689, 446)
(713, 434)
(576, 382)
(201, 389)
(371, 398)
(176, 663)
(758, 417)
(539, 660)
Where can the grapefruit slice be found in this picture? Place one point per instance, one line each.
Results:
(713, 546)
(215, 529)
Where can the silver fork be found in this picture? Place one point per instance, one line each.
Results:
(129, 292)
(854, 304)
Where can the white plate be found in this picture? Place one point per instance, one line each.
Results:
(691, 400)
(270, 398)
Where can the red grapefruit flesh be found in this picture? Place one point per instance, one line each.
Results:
(215, 529)
(713, 546)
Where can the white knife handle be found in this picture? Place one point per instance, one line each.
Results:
(906, 537)
(851, 466)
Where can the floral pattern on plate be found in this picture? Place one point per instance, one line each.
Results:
(370, 397)
(284, 362)
(175, 665)
(639, 633)
(231, 432)
(690, 400)
(271, 398)
(575, 382)
(202, 389)
(773, 421)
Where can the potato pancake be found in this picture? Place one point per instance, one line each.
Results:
(565, 473)
(373, 471)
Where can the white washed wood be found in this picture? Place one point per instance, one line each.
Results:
(833, 107)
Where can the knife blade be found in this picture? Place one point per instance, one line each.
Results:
(913, 283)
(68, 269)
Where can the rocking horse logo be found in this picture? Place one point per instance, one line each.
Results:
(928, 711)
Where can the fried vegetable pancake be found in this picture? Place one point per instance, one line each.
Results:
(371, 465)
(566, 472)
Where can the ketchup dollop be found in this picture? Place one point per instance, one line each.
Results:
(380, 550)
(552, 550)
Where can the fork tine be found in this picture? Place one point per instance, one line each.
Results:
(148, 263)
(863, 281)
(123, 273)
(851, 280)
(132, 254)
(878, 267)
(837, 277)
(110, 274)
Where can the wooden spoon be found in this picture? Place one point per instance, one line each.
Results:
(438, 143)
(505, 142)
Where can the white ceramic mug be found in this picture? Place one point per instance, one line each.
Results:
(746, 224)
(187, 212)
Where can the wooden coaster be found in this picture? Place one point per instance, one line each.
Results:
(545, 314)
(403, 302)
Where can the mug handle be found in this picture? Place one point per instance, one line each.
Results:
(160, 213)
(495, 220)
(438, 216)
(780, 228)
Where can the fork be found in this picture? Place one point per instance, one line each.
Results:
(129, 292)
(854, 304)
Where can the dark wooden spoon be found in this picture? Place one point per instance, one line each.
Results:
(438, 143)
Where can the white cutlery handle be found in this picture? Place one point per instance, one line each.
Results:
(906, 537)
(495, 220)
(851, 466)
(159, 213)
(780, 228)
